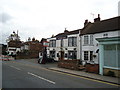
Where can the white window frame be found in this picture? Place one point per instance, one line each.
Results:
(91, 39)
(52, 43)
(72, 41)
(86, 40)
(88, 55)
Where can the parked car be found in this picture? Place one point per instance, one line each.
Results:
(47, 60)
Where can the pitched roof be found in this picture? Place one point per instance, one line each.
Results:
(14, 43)
(107, 25)
(67, 33)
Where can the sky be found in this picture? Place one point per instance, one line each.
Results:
(44, 18)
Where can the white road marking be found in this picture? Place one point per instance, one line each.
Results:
(15, 67)
(41, 78)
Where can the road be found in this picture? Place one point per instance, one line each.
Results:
(17, 74)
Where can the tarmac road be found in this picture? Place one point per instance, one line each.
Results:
(16, 74)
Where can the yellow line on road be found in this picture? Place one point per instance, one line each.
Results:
(83, 77)
(73, 75)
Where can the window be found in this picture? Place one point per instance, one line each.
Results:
(57, 54)
(88, 55)
(62, 43)
(72, 41)
(86, 40)
(85, 55)
(69, 41)
(65, 55)
(12, 49)
(110, 53)
(72, 54)
(52, 54)
(52, 43)
(91, 39)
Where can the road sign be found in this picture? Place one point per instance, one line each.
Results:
(45, 43)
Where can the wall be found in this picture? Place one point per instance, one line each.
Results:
(108, 72)
(94, 47)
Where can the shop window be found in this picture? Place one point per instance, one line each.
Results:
(110, 53)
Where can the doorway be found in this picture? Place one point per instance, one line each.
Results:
(61, 55)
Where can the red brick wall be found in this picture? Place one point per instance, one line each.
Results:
(93, 68)
(70, 64)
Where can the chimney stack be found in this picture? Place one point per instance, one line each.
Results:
(86, 22)
(97, 19)
(65, 31)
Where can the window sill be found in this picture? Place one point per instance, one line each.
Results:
(72, 46)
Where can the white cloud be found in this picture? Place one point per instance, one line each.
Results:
(5, 17)
(42, 18)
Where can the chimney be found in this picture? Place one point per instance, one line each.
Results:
(86, 22)
(65, 31)
(97, 19)
(33, 39)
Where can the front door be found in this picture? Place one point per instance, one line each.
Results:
(61, 55)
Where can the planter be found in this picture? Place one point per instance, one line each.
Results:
(93, 68)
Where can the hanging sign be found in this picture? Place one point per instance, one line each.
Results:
(45, 43)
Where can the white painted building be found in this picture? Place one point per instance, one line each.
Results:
(12, 50)
(64, 46)
(13, 44)
(24, 47)
(92, 31)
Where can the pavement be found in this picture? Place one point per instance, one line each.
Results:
(53, 66)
